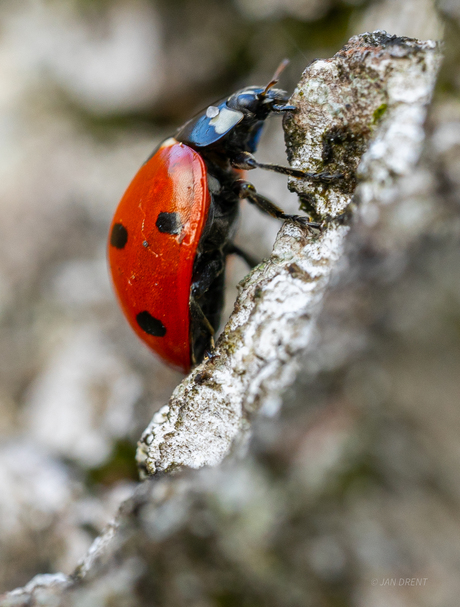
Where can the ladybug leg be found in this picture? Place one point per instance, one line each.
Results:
(248, 191)
(246, 161)
(251, 261)
(203, 327)
(207, 270)
(199, 315)
(205, 275)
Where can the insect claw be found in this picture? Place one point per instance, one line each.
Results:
(284, 108)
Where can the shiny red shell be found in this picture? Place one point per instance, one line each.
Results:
(151, 260)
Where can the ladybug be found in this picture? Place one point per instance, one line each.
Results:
(175, 224)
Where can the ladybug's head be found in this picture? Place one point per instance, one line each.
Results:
(237, 120)
(257, 102)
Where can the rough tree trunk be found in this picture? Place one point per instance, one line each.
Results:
(344, 488)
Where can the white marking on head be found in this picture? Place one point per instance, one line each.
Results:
(225, 120)
(212, 111)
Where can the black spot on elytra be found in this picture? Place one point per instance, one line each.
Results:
(119, 236)
(150, 324)
(169, 223)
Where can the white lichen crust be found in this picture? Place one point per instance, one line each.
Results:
(376, 83)
(254, 359)
(377, 86)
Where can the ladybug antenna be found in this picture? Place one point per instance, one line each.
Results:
(276, 77)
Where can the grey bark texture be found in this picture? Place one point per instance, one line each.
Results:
(344, 489)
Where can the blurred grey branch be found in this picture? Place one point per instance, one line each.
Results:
(360, 321)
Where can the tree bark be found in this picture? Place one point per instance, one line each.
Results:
(344, 488)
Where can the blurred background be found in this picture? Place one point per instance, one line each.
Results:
(87, 89)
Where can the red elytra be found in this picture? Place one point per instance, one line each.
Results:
(151, 263)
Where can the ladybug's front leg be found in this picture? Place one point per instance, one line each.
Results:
(246, 161)
(248, 191)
